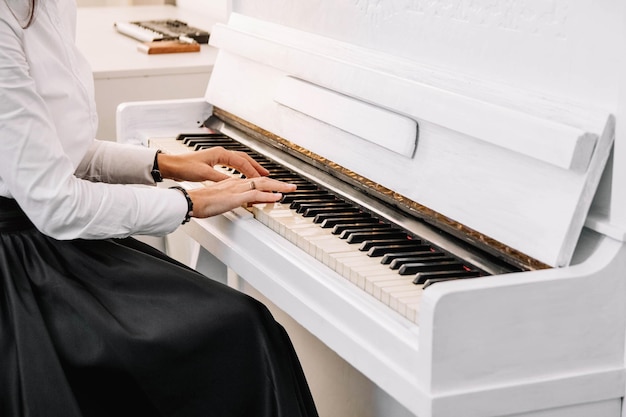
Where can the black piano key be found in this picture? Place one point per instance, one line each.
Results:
(414, 268)
(284, 172)
(289, 178)
(281, 171)
(182, 136)
(426, 251)
(304, 185)
(304, 207)
(302, 194)
(304, 181)
(361, 218)
(259, 158)
(296, 204)
(439, 257)
(422, 277)
(215, 141)
(337, 214)
(340, 228)
(311, 194)
(368, 244)
(325, 211)
(209, 145)
(198, 144)
(192, 142)
(358, 237)
(382, 250)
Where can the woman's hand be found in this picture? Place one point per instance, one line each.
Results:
(231, 193)
(198, 166)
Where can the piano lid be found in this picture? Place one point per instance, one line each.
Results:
(493, 115)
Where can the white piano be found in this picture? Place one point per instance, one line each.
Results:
(487, 133)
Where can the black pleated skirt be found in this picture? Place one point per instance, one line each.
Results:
(116, 328)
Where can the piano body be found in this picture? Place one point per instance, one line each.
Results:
(487, 129)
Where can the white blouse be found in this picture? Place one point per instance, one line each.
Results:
(50, 162)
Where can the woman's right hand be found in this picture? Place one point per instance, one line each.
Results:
(225, 195)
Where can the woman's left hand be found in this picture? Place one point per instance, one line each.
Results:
(198, 166)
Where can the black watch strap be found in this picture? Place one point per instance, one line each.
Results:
(156, 173)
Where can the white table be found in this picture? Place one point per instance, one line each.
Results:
(122, 73)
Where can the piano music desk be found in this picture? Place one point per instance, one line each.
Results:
(121, 73)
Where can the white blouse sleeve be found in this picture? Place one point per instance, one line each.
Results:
(117, 163)
(38, 118)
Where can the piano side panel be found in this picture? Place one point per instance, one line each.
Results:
(526, 335)
(139, 120)
(608, 213)
(618, 199)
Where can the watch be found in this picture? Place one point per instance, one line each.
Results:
(156, 174)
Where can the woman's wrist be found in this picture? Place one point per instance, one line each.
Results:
(167, 165)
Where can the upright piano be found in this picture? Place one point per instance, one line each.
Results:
(458, 231)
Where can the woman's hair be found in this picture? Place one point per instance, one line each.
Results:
(31, 13)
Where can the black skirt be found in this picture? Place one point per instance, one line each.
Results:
(116, 328)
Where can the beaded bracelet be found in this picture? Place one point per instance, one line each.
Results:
(189, 203)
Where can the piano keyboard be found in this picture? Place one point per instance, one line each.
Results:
(380, 257)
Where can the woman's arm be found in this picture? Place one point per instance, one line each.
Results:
(46, 127)
(117, 163)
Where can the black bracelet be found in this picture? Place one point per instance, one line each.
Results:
(156, 173)
(189, 203)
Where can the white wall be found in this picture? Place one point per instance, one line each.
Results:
(218, 9)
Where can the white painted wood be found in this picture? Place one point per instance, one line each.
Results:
(356, 117)
(137, 121)
(618, 200)
(559, 49)
(350, 322)
(532, 206)
(480, 349)
(533, 344)
(537, 136)
(608, 213)
(538, 317)
(609, 408)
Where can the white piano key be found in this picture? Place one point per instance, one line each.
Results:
(393, 292)
(398, 299)
(375, 284)
(367, 273)
(336, 260)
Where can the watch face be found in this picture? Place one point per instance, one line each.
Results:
(156, 175)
